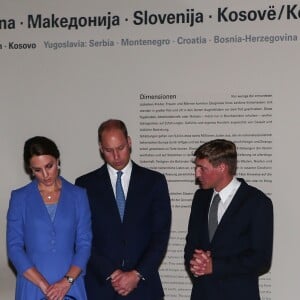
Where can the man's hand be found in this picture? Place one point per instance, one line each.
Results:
(124, 282)
(201, 263)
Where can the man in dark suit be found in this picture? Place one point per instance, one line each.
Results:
(230, 236)
(128, 246)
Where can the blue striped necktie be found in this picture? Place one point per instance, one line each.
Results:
(120, 196)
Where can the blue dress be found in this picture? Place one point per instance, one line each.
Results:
(33, 240)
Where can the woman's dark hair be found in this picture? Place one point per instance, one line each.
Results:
(38, 145)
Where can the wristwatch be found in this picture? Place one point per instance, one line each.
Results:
(70, 279)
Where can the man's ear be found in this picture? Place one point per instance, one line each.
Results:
(129, 141)
(222, 167)
(100, 148)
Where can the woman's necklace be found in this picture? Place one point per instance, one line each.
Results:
(51, 196)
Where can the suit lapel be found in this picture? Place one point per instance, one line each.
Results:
(206, 211)
(133, 183)
(132, 191)
(38, 206)
(237, 200)
(62, 206)
(106, 193)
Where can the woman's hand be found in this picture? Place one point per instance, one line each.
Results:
(58, 290)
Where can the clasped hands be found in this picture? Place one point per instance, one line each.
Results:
(124, 282)
(56, 291)
(201, 263)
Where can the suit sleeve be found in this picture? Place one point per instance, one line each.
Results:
(256, 258)
(194, 230)
(101, 265)
(15, 234)
(161, 222)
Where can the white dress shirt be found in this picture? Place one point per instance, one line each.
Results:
(124, 179)
(226, 195)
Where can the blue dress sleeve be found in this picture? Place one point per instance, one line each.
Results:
(15, 233)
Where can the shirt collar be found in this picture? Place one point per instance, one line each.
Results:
(127, 170)
(229, 189)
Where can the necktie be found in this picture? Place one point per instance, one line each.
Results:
(120, 196)
(213, 216)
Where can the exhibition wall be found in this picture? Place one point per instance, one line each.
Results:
(179, 73)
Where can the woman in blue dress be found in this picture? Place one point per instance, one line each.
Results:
(48, 229)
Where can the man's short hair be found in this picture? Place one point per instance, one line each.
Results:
(219, 151)
(112, 124)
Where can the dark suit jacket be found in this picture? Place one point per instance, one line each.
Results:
(138, 243)
(241, 248)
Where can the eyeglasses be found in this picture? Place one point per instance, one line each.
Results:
(67, 297)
